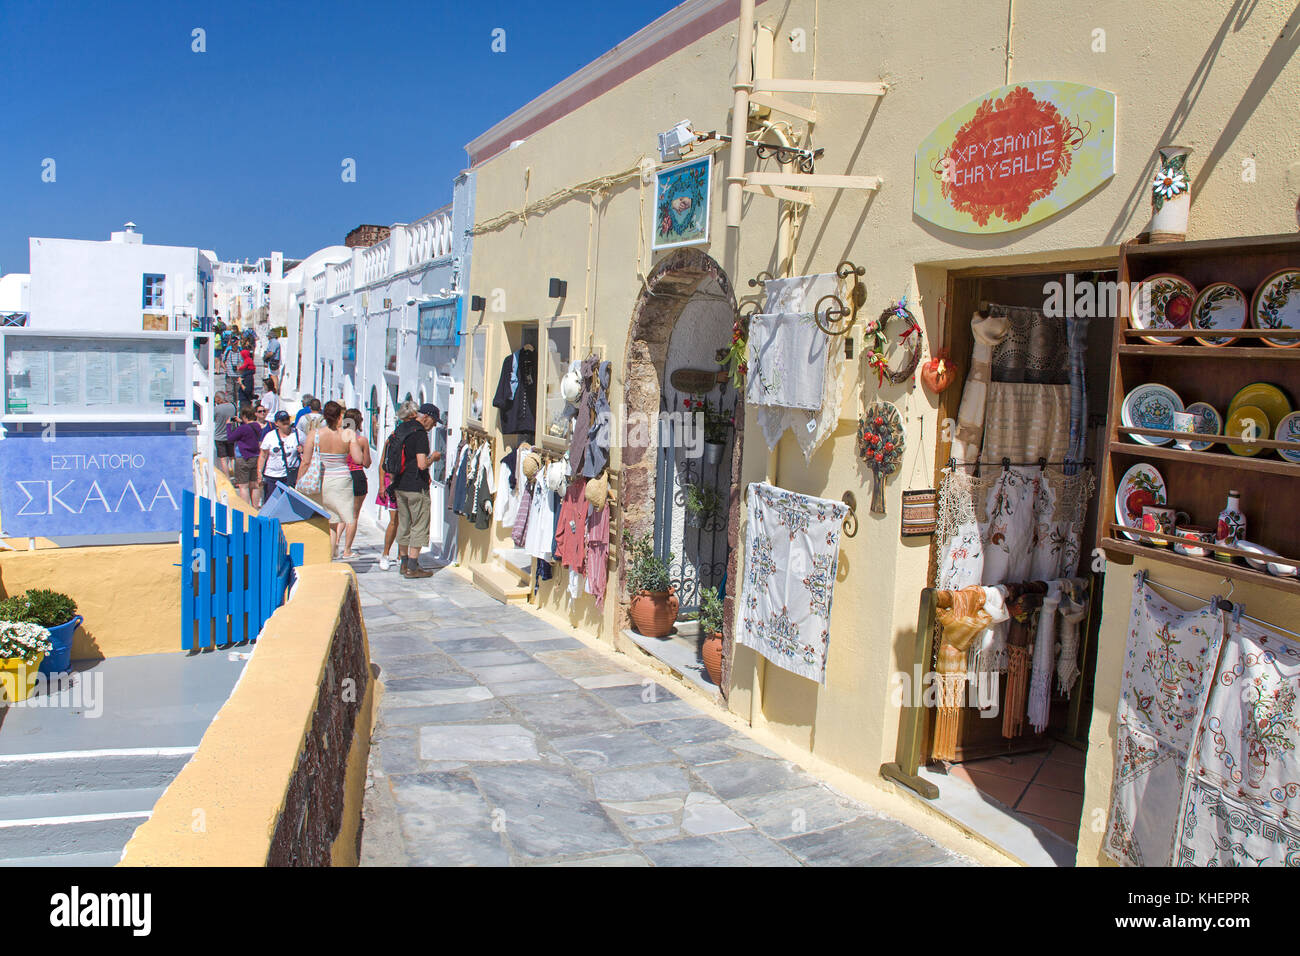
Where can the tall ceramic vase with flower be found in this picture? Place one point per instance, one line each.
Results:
(1171, 197)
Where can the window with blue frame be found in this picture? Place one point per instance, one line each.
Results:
(153, 291)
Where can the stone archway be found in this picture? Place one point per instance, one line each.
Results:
(669, 288)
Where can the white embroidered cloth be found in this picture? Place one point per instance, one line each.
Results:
(787, 361)
(1242, 802)
(1168, 661)
(793, 552)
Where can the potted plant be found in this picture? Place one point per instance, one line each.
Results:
(717, 427)
(702, 503)
(653, 606)
(711, 629)
(53, 611)
(22, 648)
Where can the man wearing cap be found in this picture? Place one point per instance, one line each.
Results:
(410, 486)
(280, 456)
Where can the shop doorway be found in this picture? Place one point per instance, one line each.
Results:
(1032, 774)
(676, 490)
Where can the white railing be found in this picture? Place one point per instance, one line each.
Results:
(428, 238)
(340, 278)
(376, 261)
(318, 287)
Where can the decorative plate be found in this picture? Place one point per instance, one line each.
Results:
(1150, 406)
(1244, 420)
(1208, 422)
(1141, 485)
(1274, 567)
(1262, 395)
(1288, 429)
(1162, 301)
(1220, 305)
(1277, 306)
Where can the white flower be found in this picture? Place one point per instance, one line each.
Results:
(1169, 183)
(23, 640)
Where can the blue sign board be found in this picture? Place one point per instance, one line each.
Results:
(79, 483)
(438, 323)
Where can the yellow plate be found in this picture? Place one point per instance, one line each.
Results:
(1236, 426)
(1268, 398)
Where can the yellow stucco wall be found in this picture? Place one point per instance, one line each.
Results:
(129, 595)
(223, 807)
(1223, 82)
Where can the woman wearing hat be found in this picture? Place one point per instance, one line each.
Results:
(280, 456)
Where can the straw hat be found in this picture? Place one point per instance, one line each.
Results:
(597, 491)
(532, 463)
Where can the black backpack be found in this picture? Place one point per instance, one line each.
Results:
(394, 457)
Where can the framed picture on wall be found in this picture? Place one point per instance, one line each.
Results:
(682, 204)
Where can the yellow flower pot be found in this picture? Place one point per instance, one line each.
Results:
(17, 678)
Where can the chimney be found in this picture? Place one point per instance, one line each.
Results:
(128, 237)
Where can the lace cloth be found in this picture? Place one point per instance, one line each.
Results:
(1034, 349)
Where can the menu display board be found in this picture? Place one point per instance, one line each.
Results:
(59, 375)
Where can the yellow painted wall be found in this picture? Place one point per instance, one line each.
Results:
(129, 595)
(1222, 79)
(241, 772)
(313, 534)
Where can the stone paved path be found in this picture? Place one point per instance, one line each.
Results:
(503, 741)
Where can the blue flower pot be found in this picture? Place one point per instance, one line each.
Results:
(58, 660)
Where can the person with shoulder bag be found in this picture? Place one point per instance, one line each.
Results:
(410, 463)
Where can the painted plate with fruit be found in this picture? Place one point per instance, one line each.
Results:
(1141, 485)
(1162, 301)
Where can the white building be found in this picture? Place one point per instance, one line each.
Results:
(15, 298)
(119, 285)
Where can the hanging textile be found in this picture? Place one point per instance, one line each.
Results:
(1074, 608)
(960, 539)
(596, 560)
(790, 578)
(973, 610)
(1024, 422)
(1023, 608)
(1040, 678)
(519, 533)
(484, 489)
(1169, 658)
(1034, 348)
(539, 541)
(508, 490)
(787, 361)
(811, 427)
(1241, 805)
(461, 488)
(586, 408)
(571, 532)
(988, 331)
(516, 387)
(595, 454)
(1076, 330)
(1060, 510)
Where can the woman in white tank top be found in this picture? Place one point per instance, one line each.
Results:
(330, 444)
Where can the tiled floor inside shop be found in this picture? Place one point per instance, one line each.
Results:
(1044, 788)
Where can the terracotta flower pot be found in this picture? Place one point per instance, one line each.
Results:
(653, 612)
(712, 654)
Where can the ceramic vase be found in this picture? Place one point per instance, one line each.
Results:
(711, 652)
(1232, 526)
(1171, 195)
(653, 612)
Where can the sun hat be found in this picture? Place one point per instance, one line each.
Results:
(597, 491)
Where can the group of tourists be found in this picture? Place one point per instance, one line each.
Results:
(328, 442)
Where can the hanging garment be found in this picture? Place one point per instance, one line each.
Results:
(575, 586)
(1074, 608)
(519, 533)
(1023, 610)
(484, 489)
(515, 393)
(790, 578)
(988, 332)
(1241, 802)
(507, 499)
(586, 409)
(1025, 422)
(787, 361)
(1076, 331)
(1168, 660)
(571, 533)
(961, 622)
(1060, 509)
(539, 540)
(1034, 348)
(1040, 678)
(595, 455)
(963, 501)
(460, 494)
(596, 560)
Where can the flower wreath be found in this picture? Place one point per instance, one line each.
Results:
(880, 445)
(877, 340)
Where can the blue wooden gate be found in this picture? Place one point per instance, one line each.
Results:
(232, 577)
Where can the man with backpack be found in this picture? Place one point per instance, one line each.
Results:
(407, 458)
(272, 355)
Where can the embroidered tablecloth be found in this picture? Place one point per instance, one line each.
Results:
(793, 552)
(787, 361)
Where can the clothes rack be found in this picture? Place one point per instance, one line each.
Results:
(1223, 604)
(1008, 463)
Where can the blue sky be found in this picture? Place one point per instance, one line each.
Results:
(238, 149)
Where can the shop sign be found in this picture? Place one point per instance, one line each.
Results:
(1015, 156)
(438, 324)
(93, 483)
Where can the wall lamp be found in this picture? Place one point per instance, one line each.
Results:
(559, 289)
(477, 303)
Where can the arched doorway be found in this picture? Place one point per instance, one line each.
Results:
(690, 285)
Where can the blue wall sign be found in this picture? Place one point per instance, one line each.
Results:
(438, 323)
(88, 483)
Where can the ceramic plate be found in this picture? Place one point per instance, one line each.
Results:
(1208, 422)
(1262, 395)
(1141, 485)
(1162, 301)
(1274, 567)
(1288, 429)
(1277, 306)
(1220, 305)
(1247, 419)
(1150, 406)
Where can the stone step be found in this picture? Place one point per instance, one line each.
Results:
(95, 859)
(76, 803)
(515, 560)
(99, 834)
(33, 774)
(500, 584)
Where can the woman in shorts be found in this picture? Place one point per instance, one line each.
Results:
(359, 483)
(386, 499)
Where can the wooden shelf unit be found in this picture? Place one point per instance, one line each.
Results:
(1198, 482)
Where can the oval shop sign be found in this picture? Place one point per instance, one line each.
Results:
(1015, 156)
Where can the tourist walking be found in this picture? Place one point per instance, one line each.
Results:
(247, 439)
(302, 424)
(231, 359)
(272, 354)
(410, 461)
(271, 396)
(280, 456)
(359, 483)
(246, 372)
(328, 446)
(223, 410)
